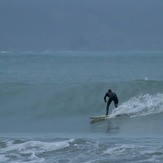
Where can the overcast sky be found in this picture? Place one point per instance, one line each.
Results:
(81, 25)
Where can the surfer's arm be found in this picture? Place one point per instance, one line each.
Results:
(105, 97)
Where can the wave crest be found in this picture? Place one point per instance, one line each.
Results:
(142, 105)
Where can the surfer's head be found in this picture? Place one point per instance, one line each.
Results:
(109, 90)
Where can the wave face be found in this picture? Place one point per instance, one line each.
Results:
(48, 102)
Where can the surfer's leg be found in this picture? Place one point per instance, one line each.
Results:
(107, 108)
(116, 103)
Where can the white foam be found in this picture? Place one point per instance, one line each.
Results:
(141, 105)
(3, 158)
(29, 161)
(132, 150)
(32, 150)
(119, 149)
(36, 146)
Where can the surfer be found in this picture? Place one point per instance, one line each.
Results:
(112, 97)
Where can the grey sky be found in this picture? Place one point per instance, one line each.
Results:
(81, 25)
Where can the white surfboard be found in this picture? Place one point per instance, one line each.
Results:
(99, 117)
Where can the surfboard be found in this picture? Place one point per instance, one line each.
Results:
(99, 117)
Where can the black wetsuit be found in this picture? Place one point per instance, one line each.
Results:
(112, 97)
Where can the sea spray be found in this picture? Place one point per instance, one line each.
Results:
(141, 105)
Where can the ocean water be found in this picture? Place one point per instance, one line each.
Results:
(46, 99)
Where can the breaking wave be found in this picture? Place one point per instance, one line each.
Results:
(140, 97)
